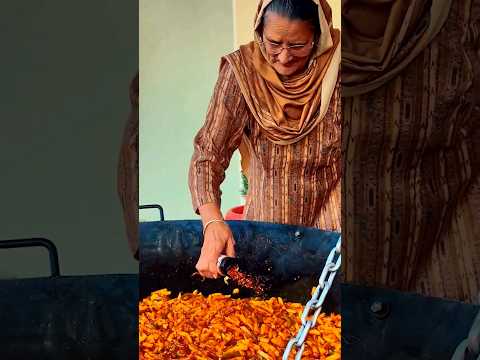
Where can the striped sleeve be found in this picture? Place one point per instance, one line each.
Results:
(216, 141)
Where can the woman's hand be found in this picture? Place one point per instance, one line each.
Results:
(218, 240)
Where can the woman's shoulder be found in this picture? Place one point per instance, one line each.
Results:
(227, 79)
(228, 61)
(233, 54)
(225, 70)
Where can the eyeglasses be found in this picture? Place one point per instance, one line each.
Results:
(295, 50)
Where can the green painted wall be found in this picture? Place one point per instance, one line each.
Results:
(66, 67)
(181, 43)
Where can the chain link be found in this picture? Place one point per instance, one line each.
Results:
(469, 349)
(315, 303)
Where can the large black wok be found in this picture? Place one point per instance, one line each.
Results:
(377, 324)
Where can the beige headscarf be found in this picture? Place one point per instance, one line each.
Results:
(381, 37)
(288, 110)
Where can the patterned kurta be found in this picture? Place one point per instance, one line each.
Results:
(411, 153)
(289, 184)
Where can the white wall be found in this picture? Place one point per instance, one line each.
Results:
(181, 43)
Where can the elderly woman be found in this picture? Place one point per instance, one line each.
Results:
(279, 95)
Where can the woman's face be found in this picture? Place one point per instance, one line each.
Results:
(279, 33)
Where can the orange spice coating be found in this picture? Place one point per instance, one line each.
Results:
(246, 280)
(192, 326)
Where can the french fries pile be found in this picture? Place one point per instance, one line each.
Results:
(217, 327)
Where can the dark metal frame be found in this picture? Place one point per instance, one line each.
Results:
(154, 206)
(36, 242)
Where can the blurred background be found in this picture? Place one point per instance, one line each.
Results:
(66, 67)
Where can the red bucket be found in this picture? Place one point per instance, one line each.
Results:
(235, 213)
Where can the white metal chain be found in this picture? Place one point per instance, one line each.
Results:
(313, 307)
(470, 347)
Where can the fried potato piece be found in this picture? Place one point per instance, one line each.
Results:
(216, 327)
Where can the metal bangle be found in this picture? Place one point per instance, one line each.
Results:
(210, 222)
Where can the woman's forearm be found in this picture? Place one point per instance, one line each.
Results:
(210, 211)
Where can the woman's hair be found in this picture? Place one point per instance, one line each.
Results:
(305, 10)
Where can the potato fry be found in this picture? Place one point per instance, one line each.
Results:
(215, 327)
